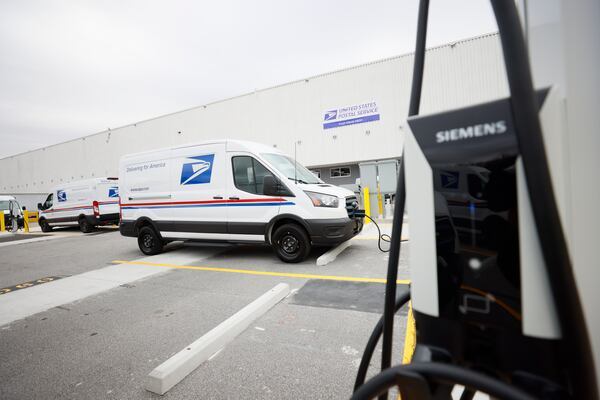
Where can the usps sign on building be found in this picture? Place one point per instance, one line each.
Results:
(350, 115)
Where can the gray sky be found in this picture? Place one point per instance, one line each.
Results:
(73, 68)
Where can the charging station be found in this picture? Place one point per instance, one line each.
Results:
(494, 293)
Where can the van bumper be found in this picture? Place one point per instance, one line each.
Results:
(104, 219)
(330, 232)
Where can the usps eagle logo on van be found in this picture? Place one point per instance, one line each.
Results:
(198, 171)
(61, 195)
(113, 192)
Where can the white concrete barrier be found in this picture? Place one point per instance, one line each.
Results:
(172, 371)
(332, 254)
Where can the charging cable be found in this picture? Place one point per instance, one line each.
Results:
(382, 237)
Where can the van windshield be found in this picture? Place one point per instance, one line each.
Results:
(285, 165)
(4, 205)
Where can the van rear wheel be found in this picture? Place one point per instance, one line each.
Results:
(85, 226)
(291, 243)
(149, 241)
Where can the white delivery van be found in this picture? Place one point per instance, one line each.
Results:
(11, 212)
(231, 191)
(87, 203)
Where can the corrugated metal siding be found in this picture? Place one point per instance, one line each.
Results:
(464, 73)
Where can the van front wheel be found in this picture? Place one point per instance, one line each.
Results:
(291, 243)
(45, 226)
(149, 241)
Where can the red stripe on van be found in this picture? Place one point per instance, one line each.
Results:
(169, 203)
(66, 209)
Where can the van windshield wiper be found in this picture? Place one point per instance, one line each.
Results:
(301, 181)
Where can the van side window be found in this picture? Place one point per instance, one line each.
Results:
(48, 202)
(249, 174)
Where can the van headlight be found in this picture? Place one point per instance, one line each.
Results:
(323, 200)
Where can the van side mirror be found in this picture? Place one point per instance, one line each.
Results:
(273, 187)
(40, 206)
(24, 208)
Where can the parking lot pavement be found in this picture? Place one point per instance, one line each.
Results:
(104, 346)
(293, 352)
(72, 254)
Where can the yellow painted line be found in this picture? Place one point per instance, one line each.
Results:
(263, 273)
(410, 340)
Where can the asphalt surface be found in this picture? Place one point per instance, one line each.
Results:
(103, 346)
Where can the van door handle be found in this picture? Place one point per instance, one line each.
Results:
(234, 198)
(218, 197)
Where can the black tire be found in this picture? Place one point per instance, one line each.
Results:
(149, 241)
(291, 243)
(85, 226)
(45, 226)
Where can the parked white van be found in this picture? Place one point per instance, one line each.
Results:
(231, 191)
(86, 203)
(11, 212)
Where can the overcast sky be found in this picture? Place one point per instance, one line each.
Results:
(73, 68)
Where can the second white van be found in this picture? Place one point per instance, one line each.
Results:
(231, 191)
(87, 203)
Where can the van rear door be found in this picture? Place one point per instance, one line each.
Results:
(198, 207)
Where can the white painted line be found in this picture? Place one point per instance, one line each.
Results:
(172, 371)
(333, 253)
(32, 240)
(25, 302)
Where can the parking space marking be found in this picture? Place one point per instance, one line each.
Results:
(35, 238)
(25, 285)
(262, 273)
(23, 303)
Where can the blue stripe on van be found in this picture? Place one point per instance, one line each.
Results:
(286, 203)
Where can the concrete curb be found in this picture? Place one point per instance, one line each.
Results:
(333, 253)
(172, 371)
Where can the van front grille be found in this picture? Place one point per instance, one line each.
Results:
(351, 205)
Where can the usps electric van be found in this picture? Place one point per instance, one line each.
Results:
(231, 191)
(87, 203)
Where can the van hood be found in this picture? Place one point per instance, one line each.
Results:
(326, 188)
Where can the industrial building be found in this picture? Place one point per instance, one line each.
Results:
(332, 122)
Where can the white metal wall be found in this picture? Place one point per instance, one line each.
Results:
(457, 74)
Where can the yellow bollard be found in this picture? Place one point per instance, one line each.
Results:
(367, 204)
(2, 227)
(26, 221)
(379, 201)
